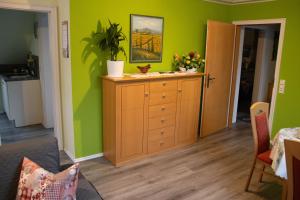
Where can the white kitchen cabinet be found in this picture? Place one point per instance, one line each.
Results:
(22, 101)
(5, 98)
(1, 99)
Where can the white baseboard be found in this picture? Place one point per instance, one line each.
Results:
(75, 160)
(69, 154)
(98, 155)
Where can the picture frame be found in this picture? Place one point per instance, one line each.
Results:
(146, 38)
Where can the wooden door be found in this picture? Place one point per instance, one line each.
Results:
(188, 110)
(218, 70)
(132, 122)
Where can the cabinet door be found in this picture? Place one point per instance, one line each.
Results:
(132, 120)
(188, 110)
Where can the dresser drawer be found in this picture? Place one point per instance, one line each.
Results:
(163, 97)
(160, 139)
(161, 122)
(159, 86)
(157, 134)
(162, 110)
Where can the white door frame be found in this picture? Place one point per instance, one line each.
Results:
(282, 23)
(54, 49)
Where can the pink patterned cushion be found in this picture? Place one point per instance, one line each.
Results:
(39, 184)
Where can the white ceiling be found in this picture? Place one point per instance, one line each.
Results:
(233, 2)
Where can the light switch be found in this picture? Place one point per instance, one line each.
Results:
(281, 86)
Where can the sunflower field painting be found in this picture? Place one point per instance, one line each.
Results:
(146, 38)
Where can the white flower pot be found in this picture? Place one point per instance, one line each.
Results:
(115, 68)
(193, 70)
(182, 69)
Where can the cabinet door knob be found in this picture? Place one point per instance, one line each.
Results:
(162, 120)
(163, 96)
(146, 94)
(161, 143)
(162, 132)
(163, 108)
(180, 90)
(164, 84)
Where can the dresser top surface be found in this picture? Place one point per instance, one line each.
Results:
(152, 76)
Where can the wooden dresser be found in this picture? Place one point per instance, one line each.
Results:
(143, 116)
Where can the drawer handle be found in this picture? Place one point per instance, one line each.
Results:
(163, 108)
(162, 120)
(164, 84)
(179, 90)
(163, 96)
(162, 132)
(161, 143)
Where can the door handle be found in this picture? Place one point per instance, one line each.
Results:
(209, 78)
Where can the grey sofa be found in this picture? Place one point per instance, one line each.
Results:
(43, 151)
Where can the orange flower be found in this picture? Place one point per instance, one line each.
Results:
(176, 57)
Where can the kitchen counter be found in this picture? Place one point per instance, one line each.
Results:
(13, 77)
(22, 100)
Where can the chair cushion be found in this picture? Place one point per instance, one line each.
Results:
(262, 132)
(265, 157)
(42, 150)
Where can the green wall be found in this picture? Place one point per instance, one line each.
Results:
(287, 111)
(184, 30)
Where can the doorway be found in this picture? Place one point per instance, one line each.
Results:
(270, 36)
(224, 60)
(256, 71)
(47, 14)
(26, 109)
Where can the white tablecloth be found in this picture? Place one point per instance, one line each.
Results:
(278, 152)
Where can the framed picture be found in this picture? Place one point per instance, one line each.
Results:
(146, 38)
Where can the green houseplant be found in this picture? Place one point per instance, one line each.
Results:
(108, 41)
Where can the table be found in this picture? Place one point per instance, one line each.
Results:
(278, 152)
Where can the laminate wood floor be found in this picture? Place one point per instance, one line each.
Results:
(215, 168)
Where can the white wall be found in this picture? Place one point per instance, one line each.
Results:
(265, 67)
(65, 66)
(16, 36)
(66, 83)
(41, 48)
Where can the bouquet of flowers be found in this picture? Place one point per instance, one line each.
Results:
(188, 62)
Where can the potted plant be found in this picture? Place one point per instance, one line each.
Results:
(108, 40)
(188, 62)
